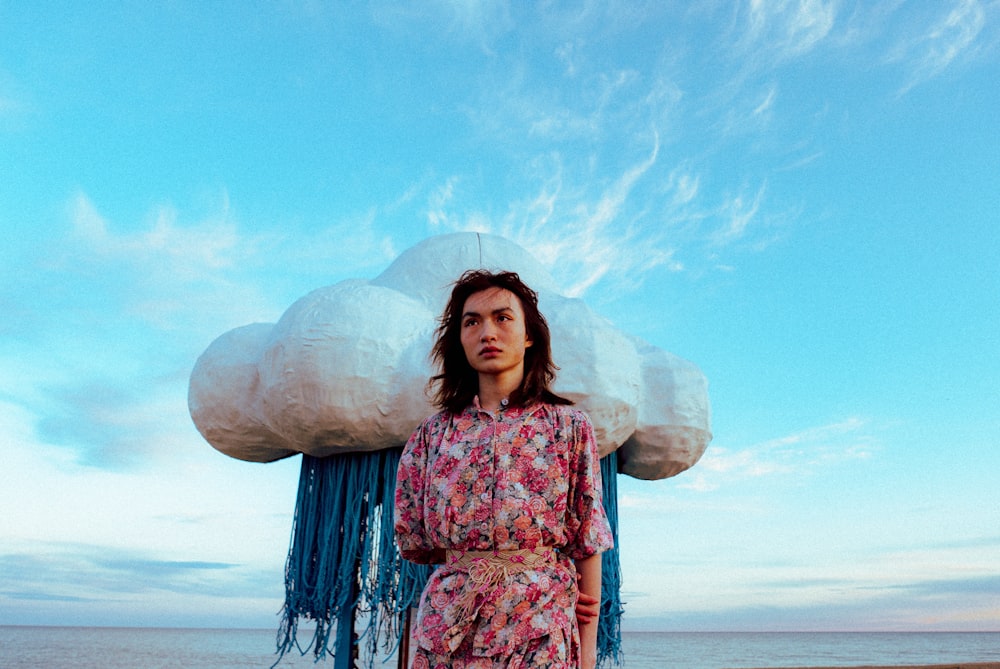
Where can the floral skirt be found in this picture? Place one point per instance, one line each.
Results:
(552, 651)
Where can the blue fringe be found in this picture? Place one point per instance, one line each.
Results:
(609, 635)
(344, 570)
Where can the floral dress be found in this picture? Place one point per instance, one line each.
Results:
(523, 478)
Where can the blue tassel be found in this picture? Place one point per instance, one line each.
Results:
(343, 565)
(609, 636)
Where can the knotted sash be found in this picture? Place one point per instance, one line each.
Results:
(487, 572)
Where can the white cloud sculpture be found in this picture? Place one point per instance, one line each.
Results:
(346, 368)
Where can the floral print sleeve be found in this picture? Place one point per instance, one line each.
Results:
(524, 478)
(587, 531)
(411, 538)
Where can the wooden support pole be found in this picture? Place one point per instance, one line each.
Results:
(345, 630)
(403, 660)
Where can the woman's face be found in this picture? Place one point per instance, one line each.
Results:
(494, 334)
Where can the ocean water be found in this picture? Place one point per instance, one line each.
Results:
(740, 650)
(149, 648)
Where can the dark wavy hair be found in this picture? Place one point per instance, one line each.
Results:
(458, 382)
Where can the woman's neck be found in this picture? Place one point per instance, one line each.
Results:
(495, 389)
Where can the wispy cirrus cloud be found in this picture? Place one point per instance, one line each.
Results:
(929, 48)
(582, 236)
(787, 29)
(110, 324)
(193, 276)
(601, 191)
(593, 230)
(167, 274)
(737, 214)
(797, 453)
(192, 251)
(481, 23)
(129, 305)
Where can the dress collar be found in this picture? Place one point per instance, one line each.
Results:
(504, 411)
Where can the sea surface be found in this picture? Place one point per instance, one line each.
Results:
(149, 648)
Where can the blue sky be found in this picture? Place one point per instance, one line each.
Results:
(803, 198)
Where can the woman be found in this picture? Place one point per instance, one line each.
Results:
(502, 488)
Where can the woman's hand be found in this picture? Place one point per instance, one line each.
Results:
(588, 608)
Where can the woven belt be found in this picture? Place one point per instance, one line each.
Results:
(492, 567)
(487, 572)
